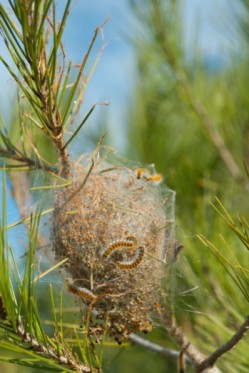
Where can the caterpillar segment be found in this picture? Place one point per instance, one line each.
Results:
(143, 173)
(132, 263)
(157, 178)
(81, 291)
(129, 243)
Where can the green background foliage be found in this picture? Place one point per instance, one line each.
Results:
(186, 117)
(175, 95)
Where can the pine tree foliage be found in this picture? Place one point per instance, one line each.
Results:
(192, 122)
(50, 93)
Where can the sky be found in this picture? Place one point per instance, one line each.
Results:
(116, 71)
(115, 74)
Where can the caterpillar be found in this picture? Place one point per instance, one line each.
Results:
(181, 365)
(128, 243)
(81, 291)
(132, 263)
(143, 173)
(157, 178)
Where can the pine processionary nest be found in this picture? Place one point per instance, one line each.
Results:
(116, 228)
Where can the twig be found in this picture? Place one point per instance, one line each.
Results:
(33, 164)
(179, 337)
(63, 356)
(153, 346)
(210, 361)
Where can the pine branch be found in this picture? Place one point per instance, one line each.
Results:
(196, 358)
(21, 328)
(153, 346)
(211, 360)
(25, 161)
(33, 38)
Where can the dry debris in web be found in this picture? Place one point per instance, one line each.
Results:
(115, 225)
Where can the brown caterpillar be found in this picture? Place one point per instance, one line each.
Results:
(80, 291)
(134, 262)
(157, 178)
(129, 243)
(143, 173)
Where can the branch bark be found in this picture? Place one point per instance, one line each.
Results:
(153, 346)
(196, 358)
(210, 361)
(25, 161)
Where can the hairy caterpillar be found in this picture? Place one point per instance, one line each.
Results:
(143, 173)
(129, 243)
(132, 263)
(81, 291)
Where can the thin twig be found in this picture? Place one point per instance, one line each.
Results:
(33, 164)
(210, 361)
(153, 346)
(63, 356)
(185, 345)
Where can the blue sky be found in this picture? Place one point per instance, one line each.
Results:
(112, 80)
(115, 75)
